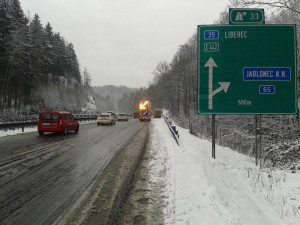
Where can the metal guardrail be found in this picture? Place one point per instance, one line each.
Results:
(84, 117)
(15, 125)
(23, 124)
(175, 135)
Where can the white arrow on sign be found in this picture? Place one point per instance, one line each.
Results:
(223, 85)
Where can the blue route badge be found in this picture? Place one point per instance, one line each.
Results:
(211, 34)
(266, 89)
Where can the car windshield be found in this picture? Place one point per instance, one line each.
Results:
(106, 115)
(122, 114)
(49, 116)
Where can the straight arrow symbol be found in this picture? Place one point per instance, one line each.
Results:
(210, 64)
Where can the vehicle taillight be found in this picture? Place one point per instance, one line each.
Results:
(60, 122)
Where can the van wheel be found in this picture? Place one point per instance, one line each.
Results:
(77, 129)
(65, 131)
(41, 133)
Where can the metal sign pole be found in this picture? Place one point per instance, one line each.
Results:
(213, 123)
(256, 140)
(260, 139)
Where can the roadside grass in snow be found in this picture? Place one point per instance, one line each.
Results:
(277, 189)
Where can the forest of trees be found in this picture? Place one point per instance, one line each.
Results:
(174, 88)
(116, 98)
(38, 67)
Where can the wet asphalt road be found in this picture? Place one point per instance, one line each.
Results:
(42, 176)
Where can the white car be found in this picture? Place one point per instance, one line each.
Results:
(123, 116)
(106, 118)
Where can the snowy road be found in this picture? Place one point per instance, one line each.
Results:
(183, 184)
(41, 176)
(230, 190)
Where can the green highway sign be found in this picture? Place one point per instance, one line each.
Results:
(246, 16)
(246, 69)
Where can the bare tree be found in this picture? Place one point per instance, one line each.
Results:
(292, 5)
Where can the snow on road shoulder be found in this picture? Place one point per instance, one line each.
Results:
(17, 131)
(161, 166)
(228, 190)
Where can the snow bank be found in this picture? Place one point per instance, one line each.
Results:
(229, 190)
(17, 131)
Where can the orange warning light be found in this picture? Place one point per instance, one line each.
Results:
(144, 104)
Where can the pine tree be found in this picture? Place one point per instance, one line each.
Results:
(19, 54)
(60, 55)
(73, 65)
(14, 49)
(37, 51)
(50, 53)
(5, 39)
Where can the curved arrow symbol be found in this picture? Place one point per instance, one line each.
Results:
(223, 86)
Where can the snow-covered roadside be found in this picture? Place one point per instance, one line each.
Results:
(29, 130)
(228, 190)
(17, 131)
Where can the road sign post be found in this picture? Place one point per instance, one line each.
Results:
(247, 69)
(213, 136)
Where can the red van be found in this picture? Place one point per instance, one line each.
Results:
(57, 121)
(135, 115)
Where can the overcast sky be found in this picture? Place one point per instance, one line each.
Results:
(121, 41)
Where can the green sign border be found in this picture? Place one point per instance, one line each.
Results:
(249, 113)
